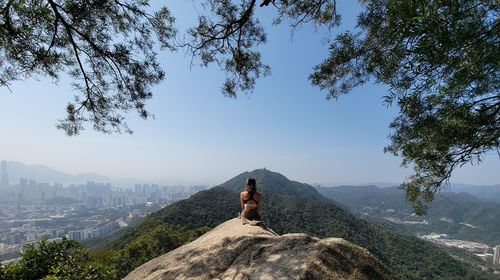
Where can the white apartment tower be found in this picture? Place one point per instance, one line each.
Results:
(496, 256)
(4, 180)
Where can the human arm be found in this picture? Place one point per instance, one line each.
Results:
(242, 204)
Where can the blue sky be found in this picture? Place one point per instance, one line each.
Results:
(199, 136)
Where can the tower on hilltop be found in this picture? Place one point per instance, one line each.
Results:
(4, 181)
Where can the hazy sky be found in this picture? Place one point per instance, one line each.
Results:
(199, 136)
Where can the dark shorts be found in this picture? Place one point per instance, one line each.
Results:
(252, 215)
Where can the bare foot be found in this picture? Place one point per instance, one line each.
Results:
(255, 223)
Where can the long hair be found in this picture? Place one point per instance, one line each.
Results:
(250, 186)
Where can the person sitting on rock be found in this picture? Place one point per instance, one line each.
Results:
(250, 202)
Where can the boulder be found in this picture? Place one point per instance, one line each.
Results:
(236, 251)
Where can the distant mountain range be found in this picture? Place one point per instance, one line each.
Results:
(43, 174)
(291, 207)
(460, 215)
(485, 192)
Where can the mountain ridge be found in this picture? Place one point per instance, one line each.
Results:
(451, 213)
(315, 215)
(488, 193)
(44, 174)
(280, 184)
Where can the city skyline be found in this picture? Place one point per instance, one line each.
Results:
(31, 211)
(130, 182)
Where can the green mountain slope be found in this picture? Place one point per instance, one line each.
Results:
(460, 215)
(273, 182)
(295, 207)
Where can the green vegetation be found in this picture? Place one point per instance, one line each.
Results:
(87, 40)
(69, 260)
(286, 212)
(449, 213)
(146, 241)
(441, 61)
(64, 259)
(206, 208)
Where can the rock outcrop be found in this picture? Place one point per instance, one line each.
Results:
(236, 251)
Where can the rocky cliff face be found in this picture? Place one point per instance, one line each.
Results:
(236, 251)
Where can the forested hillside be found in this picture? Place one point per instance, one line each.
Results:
(295, 207)
(460, 215)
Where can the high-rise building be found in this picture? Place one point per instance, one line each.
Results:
(496, 256)
(75, 235)
(4, 181)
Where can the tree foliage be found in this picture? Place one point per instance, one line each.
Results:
(142, 243)
(441, 61)
(66, 259)
(106, 47)
(231, 32)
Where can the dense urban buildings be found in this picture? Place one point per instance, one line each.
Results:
(487, 253)
(31, 211)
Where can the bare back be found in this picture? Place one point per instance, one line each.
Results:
(250, 202)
